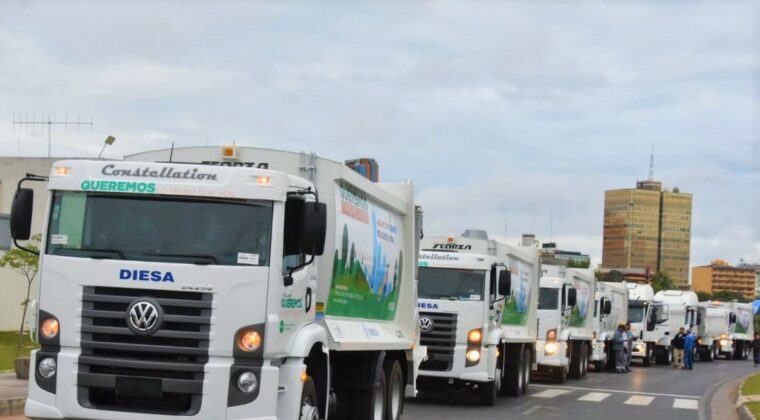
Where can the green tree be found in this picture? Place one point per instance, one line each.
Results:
(729, 295)
(662, 281)
(704, 296)
(26, 264)
(614, 276)
(578, 264)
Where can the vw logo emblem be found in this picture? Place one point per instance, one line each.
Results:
(144, 316)
(426, 324)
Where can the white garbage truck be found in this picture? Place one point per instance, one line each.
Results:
(477, 303)
(565, 322)
(610, 309)
(712, 330)
(738, 346)
(679, 309)
(241, 283)
(649, 323)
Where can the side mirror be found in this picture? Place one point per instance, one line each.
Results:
(505, 283)
(732, 318)
(314, 227)
(699, 318)
(607, 307)
(21, 214)
(572, 297)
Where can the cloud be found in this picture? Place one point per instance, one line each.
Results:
(525, 111)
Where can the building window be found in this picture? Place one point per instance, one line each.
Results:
(5, 232)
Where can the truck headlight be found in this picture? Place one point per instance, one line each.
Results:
(550, 348)
(49, 328)
(247, 382)
(475, 336)
(473, 356)
(47, 367)
(639, 348)
(249, 340)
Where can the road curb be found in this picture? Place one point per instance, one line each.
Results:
(12, 407)
(741, 410)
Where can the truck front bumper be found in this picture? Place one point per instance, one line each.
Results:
(64, 403)
(551, 361)
(460, 376)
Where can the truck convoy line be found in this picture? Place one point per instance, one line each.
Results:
(264, 284)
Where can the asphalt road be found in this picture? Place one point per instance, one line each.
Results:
(647, 393)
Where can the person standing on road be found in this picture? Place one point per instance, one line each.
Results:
(677, 343)
(689, 344)
(756, 349)
(630, 339)
(619, 341)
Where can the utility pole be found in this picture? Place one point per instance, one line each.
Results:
(25, 122)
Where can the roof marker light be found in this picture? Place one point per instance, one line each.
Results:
(62, 170)
(263, 180)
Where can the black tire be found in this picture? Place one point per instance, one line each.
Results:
(488, 393)
(395, 392)
(561, 376)
(576, 355)
(309, 397)
(584, 360)
(371, 404)
(648, 356)
(738, 350)
(527, 362)
(661, 356)
(511, 384)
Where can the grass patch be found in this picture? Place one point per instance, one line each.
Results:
(754, 408)
(8, 343)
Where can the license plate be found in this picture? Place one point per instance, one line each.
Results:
(138, 387)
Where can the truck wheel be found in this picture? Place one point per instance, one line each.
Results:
(527, 362)
(488, 393)
(561, 376)
(309, 404)
(715, 352)
(395, 389)
(738, 350)
(371, 405)
(584, 360)
(576, 360)
(648, 356)
(512, 382)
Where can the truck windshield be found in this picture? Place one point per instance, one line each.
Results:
(548, 298)
(160, 228)
(450, 284)
(636, 312)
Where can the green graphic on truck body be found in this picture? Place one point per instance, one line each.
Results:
(368, 261)
(516, 307)
(579, 313)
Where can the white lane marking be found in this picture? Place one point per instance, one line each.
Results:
(639, 400)
(531, 410)
(616, 391)
(594, 396)
(686, 404)
(550, 393)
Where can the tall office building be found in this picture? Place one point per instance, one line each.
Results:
(648, 228)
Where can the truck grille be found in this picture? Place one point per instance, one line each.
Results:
(440, 341)
(160, 373)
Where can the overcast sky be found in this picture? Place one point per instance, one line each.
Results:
(506, 115)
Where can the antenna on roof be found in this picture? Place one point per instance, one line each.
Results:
(651, 165)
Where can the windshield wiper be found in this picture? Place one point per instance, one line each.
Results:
(202, 259)
(104, 253)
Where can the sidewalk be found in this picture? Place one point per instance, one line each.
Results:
(12, 394)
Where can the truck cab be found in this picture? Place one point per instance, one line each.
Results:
(681, 310)
(648, 322)
(566, 322)
(209, 291)
(713, 330)
(477, 304)
(609, 310)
